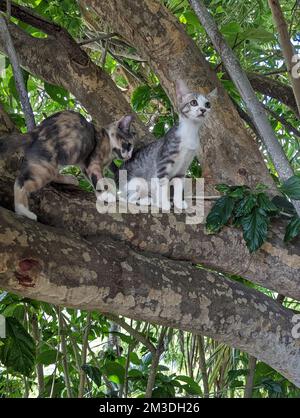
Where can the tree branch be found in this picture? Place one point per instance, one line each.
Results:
(72, 70)
(19, 80)
(47, 264)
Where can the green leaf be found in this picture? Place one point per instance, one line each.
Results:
(292, 229)
(238, 191)
(291, 187)
(283, 204)
(258, 34)
(245, 206)
(140, 98)
(47, 355)
(93, 373)
(266, 204)
(231, 28)
(255, 229)
(18, 352)
(58, 94)
(114, 371)
(222, 188)
(134, 359)
(191, 387)
(220, 214)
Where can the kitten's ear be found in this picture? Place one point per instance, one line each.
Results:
(213, 94)
(181, 90)
(125, 122)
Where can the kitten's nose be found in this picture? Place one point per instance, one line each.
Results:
(126, 146)
(203, 111)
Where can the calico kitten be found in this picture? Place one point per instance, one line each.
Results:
(66, 138)
(170, 156)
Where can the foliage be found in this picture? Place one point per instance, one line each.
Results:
(252, 211)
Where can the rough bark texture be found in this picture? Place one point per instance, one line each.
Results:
(48, 264)
(172, 54)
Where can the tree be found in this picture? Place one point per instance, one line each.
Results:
(149, 276)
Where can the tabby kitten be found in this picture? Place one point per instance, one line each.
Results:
(170, 156)
(66, 138)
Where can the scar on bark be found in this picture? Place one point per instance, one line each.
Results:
(27, 269)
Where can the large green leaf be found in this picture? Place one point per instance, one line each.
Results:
(47, 355)
(191, 387)
(292, 229)
(93, 373)
(140, 97)
(18, 352)
(266, 204)
(245, 206)
(58, 94)
(258, 34)
(255, 228)
(291, 187)
(114, 371)
(220, 213)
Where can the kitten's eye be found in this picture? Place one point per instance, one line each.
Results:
(194, 103)
(207, 105)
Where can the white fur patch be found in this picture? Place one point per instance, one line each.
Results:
(23, 211)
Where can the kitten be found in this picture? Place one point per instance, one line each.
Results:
(170, 156)
(66, 138)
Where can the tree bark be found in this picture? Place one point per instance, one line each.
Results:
(272, 88)
(48, 264)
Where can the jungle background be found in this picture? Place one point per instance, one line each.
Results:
(56, 351)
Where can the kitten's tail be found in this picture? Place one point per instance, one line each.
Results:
(10, 143)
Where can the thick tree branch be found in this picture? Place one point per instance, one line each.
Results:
(272, 88)
(48, 264)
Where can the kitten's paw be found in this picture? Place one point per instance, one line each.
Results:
(146, 201)
(106, 197)
(181, 205)
(166, 206)
(23, 211)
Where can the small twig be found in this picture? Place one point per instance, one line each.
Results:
(97, 38)
(82, 375)
(134, 333)
(63, 345)
(155, 362)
